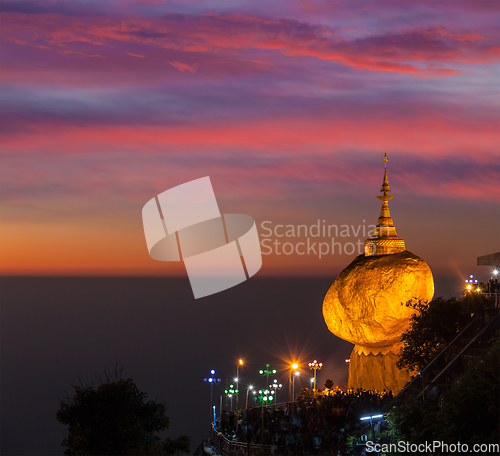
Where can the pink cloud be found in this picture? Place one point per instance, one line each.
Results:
(307, 5)
(185, 67)
(437, 134)
(394, 52)
(136, 55)
(474, 36)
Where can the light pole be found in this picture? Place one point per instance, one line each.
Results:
(231, 391)
(212, 380)
(275, 386)
(250, 388)
(266, 396)
(237, 379)
(293, 383)
(371, 424)
(293, 372)
(267, 372)
(315, 366)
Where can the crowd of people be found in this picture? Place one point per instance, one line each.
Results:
(314, 424)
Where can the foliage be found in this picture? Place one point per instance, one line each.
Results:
(432, 326)
(167, 447)
(472, 406)
(181, 444)
(114, 418)
(468, 412)
(414, 422)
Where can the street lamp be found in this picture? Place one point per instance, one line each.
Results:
(315, 366)
(231, 391)
(267, 372)
(265, 396)
(471, 283)
(275, 388)
(371, 423)
(293, 383)
(293, 372)
(212, 380)
(250, 388)
(237, 379)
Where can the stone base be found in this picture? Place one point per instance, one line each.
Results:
(377, 371)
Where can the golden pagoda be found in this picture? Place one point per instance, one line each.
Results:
(365, 305)
(385, 239)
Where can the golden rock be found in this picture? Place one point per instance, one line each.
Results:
(366, 303)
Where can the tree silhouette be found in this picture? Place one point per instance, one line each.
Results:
(434, 324)
(113, 417)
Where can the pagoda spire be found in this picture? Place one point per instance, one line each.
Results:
(384, 240)
(385, 219)
(385, 184)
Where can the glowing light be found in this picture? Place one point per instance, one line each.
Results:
(212, 379)
(469, 287)
(241, 362)
(373, 416)
(295, 366)
(495, 271)
(231, 390)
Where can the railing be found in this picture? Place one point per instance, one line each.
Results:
(232, 448)
(235, 448)
(425, 380)
(228, 447)
(487, 329)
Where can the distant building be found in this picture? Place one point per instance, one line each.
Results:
(493, 259)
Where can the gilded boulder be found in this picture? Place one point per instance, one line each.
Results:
(366, 303)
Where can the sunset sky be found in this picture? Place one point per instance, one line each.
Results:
(288, 107)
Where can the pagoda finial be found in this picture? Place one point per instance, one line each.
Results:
(385, 184)
(384, 240)
(385, 159)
